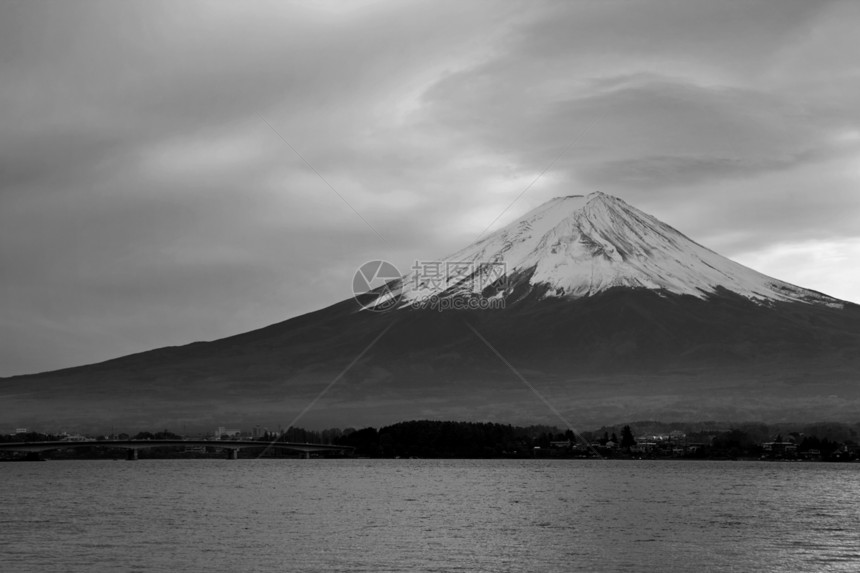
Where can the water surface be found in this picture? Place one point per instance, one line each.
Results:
(428, 515)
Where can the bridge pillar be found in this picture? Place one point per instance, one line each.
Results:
(233, 454)
(307, 455)
(131, 454)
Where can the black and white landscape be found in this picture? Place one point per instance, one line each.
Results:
(342, 286)
(611, 314)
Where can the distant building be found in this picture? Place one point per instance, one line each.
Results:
(779, 447)
(223, 432)
(811, 454)
(259, 432)
(644, 447)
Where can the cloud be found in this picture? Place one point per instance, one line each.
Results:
(641, 130)
(812, 263)
(661, 171)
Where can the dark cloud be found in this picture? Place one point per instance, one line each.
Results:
(643, 129)
(650, 172)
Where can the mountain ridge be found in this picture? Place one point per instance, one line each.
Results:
(579, 245)
(617, 353)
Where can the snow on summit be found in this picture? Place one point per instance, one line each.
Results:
(578, 246)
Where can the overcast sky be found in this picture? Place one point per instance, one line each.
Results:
(147, 197)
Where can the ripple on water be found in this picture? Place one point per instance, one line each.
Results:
(428, 515)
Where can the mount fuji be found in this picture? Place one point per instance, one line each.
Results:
(577, 246)
(604, 311)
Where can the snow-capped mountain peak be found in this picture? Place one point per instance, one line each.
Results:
(578, 246)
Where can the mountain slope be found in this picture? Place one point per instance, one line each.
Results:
(655, 327)
(581, 245)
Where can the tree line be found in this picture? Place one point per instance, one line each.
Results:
(438, 439)
(450, 439)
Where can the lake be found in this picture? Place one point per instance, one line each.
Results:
(428, 515)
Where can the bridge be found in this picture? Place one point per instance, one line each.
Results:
(232, 447)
